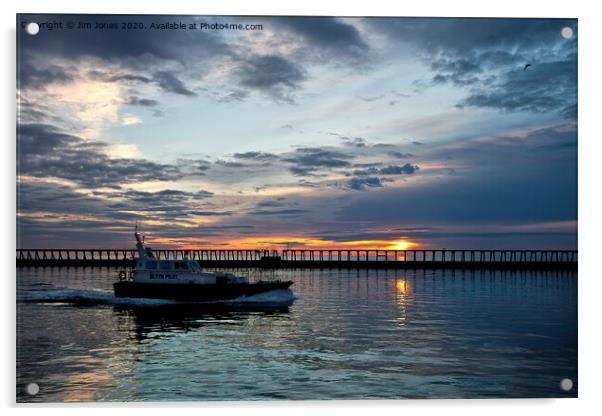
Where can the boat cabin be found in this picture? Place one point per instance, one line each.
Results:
(168, 265)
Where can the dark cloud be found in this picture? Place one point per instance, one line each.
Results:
(271, 203)
(166, 80)
(327, 37)
(308, 160)
(143, 102)
(400, 155)
(143, 56)
(406, 169)
(137, 50)
(34, 75)
(361, 184)
(547, 86)
(487, 56)
(54, 215)
(44, 151)
(507, 180)
(41, 139)
(283, 212)
(231, 164)
(354, 141)
(462, 36)
(55, 199)
(170, 83)
(128, 78)
(166, 196)
(211, 213)
(146, 56)
(258, 156)
(570, 111)
(194, 167)
(271, 74)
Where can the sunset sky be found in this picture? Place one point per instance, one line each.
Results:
(311, 132)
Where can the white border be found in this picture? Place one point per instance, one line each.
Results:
(590, 207)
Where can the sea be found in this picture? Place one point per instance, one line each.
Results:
(336, 335)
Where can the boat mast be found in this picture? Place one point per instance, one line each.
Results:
(139, 242)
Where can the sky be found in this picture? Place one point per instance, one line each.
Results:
(297, 132)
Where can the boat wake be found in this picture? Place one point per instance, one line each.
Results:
(100, 297)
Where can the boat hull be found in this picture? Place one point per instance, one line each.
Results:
(195, 292)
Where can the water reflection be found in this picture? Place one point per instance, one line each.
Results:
(167, 319)
(354, 334)
(403, 298)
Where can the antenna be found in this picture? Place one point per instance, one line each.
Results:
(137, 233)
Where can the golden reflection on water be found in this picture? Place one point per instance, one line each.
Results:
(403, 297)
(84, 386)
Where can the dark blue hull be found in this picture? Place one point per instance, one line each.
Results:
(195, 292)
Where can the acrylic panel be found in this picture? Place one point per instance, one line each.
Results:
(295, 208)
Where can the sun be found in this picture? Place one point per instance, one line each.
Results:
(401, 245)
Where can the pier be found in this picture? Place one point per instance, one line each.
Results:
(292, 258)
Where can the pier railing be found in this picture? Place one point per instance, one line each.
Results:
(312, 258)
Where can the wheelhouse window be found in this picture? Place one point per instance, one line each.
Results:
(166, 265)
(151, 265)
(181, 265)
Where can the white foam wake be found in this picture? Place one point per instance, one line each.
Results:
(273, 297)
(83, 295)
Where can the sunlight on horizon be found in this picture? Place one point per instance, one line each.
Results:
(282, 243)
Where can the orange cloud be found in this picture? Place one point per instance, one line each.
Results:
(283, 242)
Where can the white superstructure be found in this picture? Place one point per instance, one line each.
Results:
(149, 269)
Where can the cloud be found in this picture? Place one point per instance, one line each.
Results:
(361, 184)
(166, 80)
(170, 83)
(210, 213)
(139, 49)
(166, 196)
(256, 156)
(44, 151)
(270, 203)
(128, 78)
(487, 56)
(463, 36)
(509, 178)
(143, 102)
(271, 74)
(68, 216)
(545, 87)
(34, 75)
(283, 212)
(309, 160)
(406, 169)
(400, 155)
(327, 37)
(354, 142)
(130, 119)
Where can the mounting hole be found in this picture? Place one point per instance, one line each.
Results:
(566, 32)
(32, 28)
(566, 384)
(32, 389)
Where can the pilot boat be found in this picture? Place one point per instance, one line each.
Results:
(184, 280)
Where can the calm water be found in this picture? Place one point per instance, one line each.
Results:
(347, 335)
